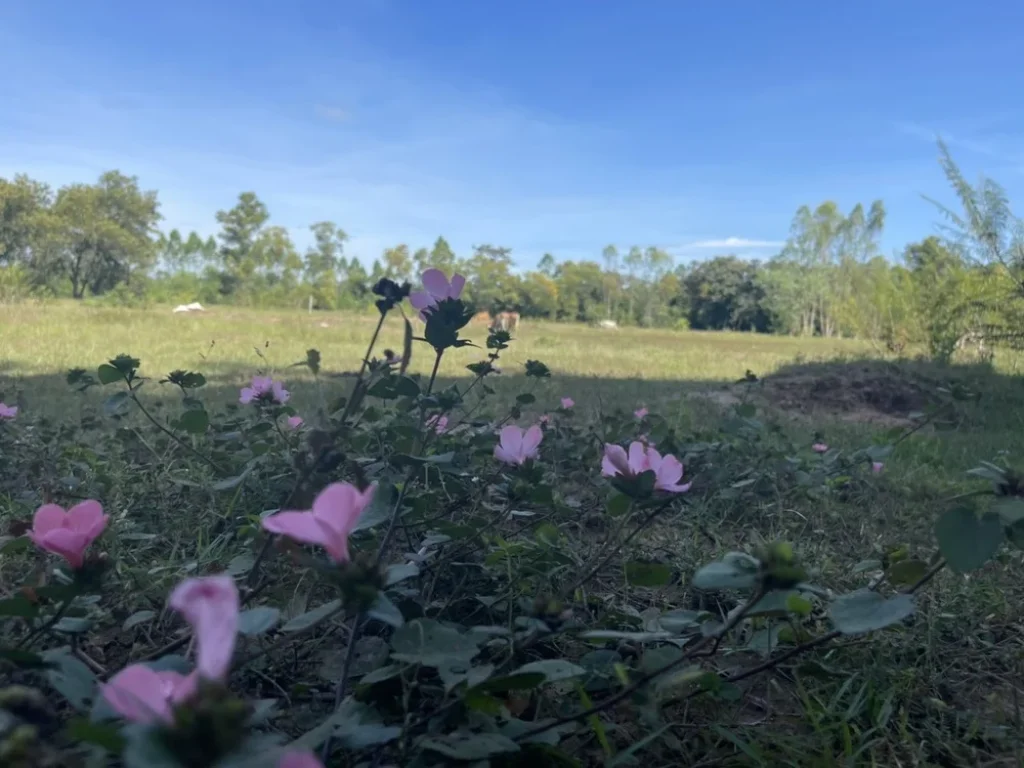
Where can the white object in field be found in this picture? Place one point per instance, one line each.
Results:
(195, 306)
(607, 324)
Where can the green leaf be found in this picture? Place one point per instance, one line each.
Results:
(105, 735)
(307, 619)
(514, 682)
(428, 642)
(618, 505)
(464, 745)
(648, 574)
(798, 604)
(400, 572)
(146, 748)
(355, 724)
(406, 387)
(72, 625)
(385, 610)
(746, 410)
(71, 678)
(552, 669)
(108, 374)
(258, 620)
(966, 540)
(23, 659)
(195, 422)
(137, 618)
(866, 610)
(906, 571)
(14, 546)
(734, 571)
(525, 399)
(20, 606)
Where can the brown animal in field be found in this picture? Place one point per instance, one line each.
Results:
(482, 318)
(506, 321)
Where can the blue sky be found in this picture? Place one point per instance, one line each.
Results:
(554, 126)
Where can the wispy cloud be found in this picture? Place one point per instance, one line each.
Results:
(334, 114)
(731, 242)
(932, 135)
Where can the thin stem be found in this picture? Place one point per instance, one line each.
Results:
(199, 454)
(362, 369)
(433, 373)
(346, 668)
(48, 624)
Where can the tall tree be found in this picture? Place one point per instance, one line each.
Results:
(23, 204)
(240, 229)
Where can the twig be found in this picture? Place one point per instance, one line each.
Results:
(346, 668)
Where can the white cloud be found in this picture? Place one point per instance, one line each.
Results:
(733, 242)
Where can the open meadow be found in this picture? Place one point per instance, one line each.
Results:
(538, 563)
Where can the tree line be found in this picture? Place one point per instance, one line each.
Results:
(103, 240)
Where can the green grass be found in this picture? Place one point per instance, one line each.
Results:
(943, 690)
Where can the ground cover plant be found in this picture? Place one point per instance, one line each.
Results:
(406, 568)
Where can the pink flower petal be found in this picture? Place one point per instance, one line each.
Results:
(877, 467)
(819, 448)
(503, 454)
(140, 695)
(294, 422)
(637, 458)
(70, 545)
(210, 605)
(531, 440)
(421, 300)
(457, 284)
(340, 506)
(87, 517)
(668, 475)
(568, 402)
(436, 283)
(512, 439)
(615, 461)
(641, 412)
(47, 518)
(246, 395)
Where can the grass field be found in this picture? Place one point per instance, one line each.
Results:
(943, 690)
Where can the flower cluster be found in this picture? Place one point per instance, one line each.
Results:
(668, 470)
(264, 390)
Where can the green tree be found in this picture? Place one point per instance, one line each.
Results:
(398, 265)
(23, 204)
(99, 235)
(490, 282)
(240, 229)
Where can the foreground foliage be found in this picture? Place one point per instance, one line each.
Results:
(469, 589)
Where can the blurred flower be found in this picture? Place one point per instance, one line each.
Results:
(641, 412)
(264, 388)
(8, 412)
(210, 606)
(567, 403)
(70, 533)
(300, 760)
(335, 512)
(516, 446)
(877, 467)
(143, 695)
(294, 422)
(438, 423)
(668, 470)
(544, 419)
(819, 448)
(437, 288)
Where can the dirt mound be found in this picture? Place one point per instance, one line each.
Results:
(862, 392)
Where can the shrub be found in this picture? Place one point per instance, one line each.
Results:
(437, 561)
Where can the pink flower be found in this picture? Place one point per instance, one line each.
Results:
(329, 523)
(438, 423)
(70, 533)
(8, 412)
(641, 412)
(877, 467)
(142, 695)
(264, 388)
(301, 759)
(668, 470)
(545, 419)
(516, 446)
(819, 448)
(437, 288)
(567, 403)
(294, 422)
(210, 606)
